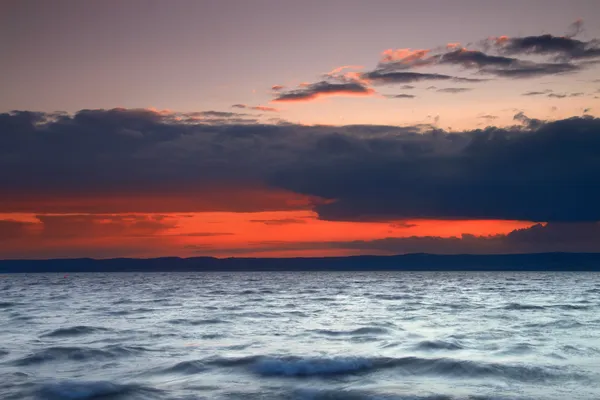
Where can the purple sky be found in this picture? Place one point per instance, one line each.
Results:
(257, 127)
(209, 55)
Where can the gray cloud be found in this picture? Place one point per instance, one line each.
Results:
(538, 171)
(255, 108)
(401, 96)
(560, 46)
(553, 237)
(314, 90)
(454, 90)
(563, 95)
(389, 77)
(538, 93)
(283, 221)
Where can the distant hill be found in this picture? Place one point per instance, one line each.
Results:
(408, 262)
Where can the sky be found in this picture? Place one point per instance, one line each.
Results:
(311, 128)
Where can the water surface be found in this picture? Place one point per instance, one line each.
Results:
(329, 335)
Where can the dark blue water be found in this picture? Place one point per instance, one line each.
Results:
(396, 335)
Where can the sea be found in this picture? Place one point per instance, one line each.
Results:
(300, 335)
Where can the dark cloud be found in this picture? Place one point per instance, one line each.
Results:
(324, 88)
(553, 237)
(538, 93)
(560, 46)
(503, 66)
(396, 65)
(89, 225)
(575, 28)
(283, 221)
(540, 238)
(255, 108)
(401, 96)
(475, 59)
(538, 171)
(525, 120)
(532, 70)
(218, 114)
(205, 234)
(402, 225)
(488, 116)
(563, 95)
(454, 90)
(389, 77)
(11, 229)
(407, 87)
(277, 87)
(542, 172)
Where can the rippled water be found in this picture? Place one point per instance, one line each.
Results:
(393, 335)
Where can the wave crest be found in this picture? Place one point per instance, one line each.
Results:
(438, 345)
(78, 354)
(75, 331)
(367, 330)
(71, 390)
(293, 366)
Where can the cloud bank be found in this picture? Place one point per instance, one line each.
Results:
(147, 161)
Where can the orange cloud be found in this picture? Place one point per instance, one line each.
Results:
(336, 71)
(325, 88)
(215, 198)
(315, 96)
(405, 56)
(223, 234)
(265, 108)
(500, 40)
(255, 108)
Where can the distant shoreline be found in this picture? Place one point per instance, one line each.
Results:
(409, 262)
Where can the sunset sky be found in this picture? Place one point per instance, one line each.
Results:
(298, 128)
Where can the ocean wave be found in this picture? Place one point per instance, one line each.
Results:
(581, 351)
(76, 390)
(519, 306)
(185, 368)
(367, 330)
(78, 354)
(571, 307)
(7, 304)
(292, 366)
(195, 322)
(517, 349)
(209, 336)
(75, 331)
(343, 394)
(123, 301)
(438, 345)
(393, 296)
(119, 312)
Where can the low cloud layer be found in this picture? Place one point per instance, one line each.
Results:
(540, 238)
(119, 160)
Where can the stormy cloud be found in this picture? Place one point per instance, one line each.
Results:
(536, 171)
